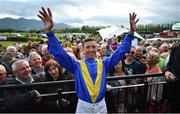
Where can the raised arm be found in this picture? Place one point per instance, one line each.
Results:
(54, 47)
(125, 46)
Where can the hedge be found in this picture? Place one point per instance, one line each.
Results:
(24, 39)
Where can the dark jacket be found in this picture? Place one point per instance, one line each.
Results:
(20, 100)
(174, 62)
(2, 106)
(172, 88)
(50, 103)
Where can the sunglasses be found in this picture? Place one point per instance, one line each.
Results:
(131, 52)
(2, 74)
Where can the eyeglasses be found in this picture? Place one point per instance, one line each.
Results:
(1, 74)
(131, 52)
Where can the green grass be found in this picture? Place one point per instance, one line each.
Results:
(8, 43)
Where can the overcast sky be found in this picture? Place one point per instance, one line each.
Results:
(95, 12)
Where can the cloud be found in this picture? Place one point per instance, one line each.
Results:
(95, 12)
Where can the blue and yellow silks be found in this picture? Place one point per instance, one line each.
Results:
(73, 66)
(93, 89)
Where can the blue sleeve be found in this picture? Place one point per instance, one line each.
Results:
(118, 55)
(55, 48)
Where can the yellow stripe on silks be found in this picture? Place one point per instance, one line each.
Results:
(93, 89)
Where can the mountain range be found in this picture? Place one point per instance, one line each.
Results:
(23, 24)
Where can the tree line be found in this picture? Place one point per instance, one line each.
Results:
(142, 29)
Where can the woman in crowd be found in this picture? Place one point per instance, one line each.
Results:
(53, 72)
(117, 95)
(35, 61)
(152, 67)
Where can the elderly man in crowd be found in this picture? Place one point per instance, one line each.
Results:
(13, 50)
(21, 100)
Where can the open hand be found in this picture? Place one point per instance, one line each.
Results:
(38, 96)
(133, 21)
(46, 17)
(169, 76)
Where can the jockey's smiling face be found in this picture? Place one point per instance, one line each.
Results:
(89, 49)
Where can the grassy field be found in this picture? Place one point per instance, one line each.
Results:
(8, 43)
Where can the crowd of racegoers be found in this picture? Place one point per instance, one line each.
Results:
(33, 63)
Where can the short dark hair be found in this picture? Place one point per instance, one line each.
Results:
(87, 40)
